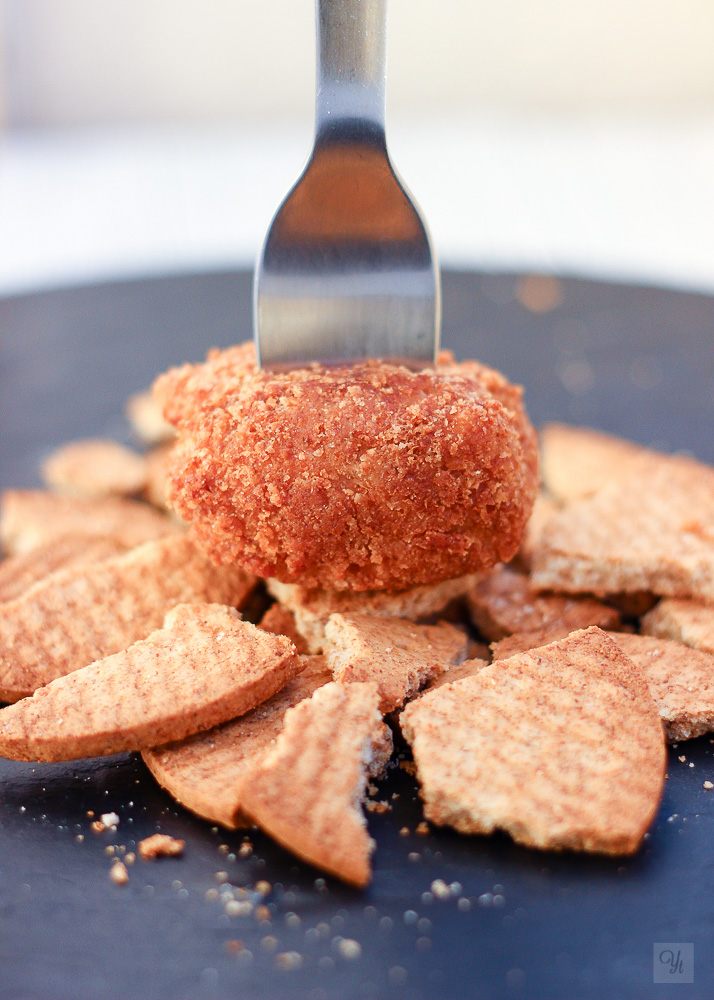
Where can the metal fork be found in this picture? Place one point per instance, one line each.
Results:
(347, 270)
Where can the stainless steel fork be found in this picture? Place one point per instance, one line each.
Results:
(347, 270)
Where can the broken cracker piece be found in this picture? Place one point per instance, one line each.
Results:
(306, 791)
(399, 656)
(683, 621)
(543, 508)
(147, 419)
(654, 532)
(561, 747)
(521, 642)
(505, 602)
(579, 461)
(280, 621)
(160, 845)
(85, 612)
(312, 607)
(19, 573)
(680, 679)
(203, 667)
(157, 465)
(31, 518)
(95, 467)
(457, 672)
(205, 772)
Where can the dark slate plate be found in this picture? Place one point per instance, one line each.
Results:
(635, 361)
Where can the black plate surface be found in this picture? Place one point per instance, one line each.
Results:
(634, 361)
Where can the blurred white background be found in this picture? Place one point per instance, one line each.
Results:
(153, 135)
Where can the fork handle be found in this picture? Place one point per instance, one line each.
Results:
(351, 68)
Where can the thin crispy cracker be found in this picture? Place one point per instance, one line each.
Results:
(654, 532)
(31, 518)
(157, 467)
(280, 621)
(313, 607)
(398, 656)
(205, 772)
(95, 467)
(86, 612)
(561, 747)
(680, 679)
(306, 792)
(18, 573)
(683, 621)
(457, 672)
(543, 508)
(147, 419)
(505, 602)
(578, 461)
(521, 642)
(203, 667)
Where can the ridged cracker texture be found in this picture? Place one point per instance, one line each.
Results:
(312, 607)
(561, 747)
(505, 601)
(19, 573)
(205, 772)
(30, 518)
(203, 667)
(654, 532)
(399, 656)
(86, 612)
(95, 467)
(306, 793)
(684, 621)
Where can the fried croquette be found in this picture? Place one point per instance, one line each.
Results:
(370, 476)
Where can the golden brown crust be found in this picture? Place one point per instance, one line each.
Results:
(398, 656)
(95, 467)
(505, 602)
(367, 477)
(683, 621)
(562, 747)
(205, 772)
(86, 612)
(203, 667)
(30, 518)
(306, 792)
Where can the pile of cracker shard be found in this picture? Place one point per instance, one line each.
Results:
(537, 699)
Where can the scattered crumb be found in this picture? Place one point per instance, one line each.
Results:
(409, 766)
(233, 947)
(239, 908)
(422, 828)
(404, 832)
(243, 852)
(440, 889)
(377, 806)
(349, 949)
(118, 873)
(288, 960)
(130, 858)
(97, 826)
(160, 845)
(110, 820)
(708, 785)
(262, 913)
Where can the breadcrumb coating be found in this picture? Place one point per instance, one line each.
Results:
(363, 477)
